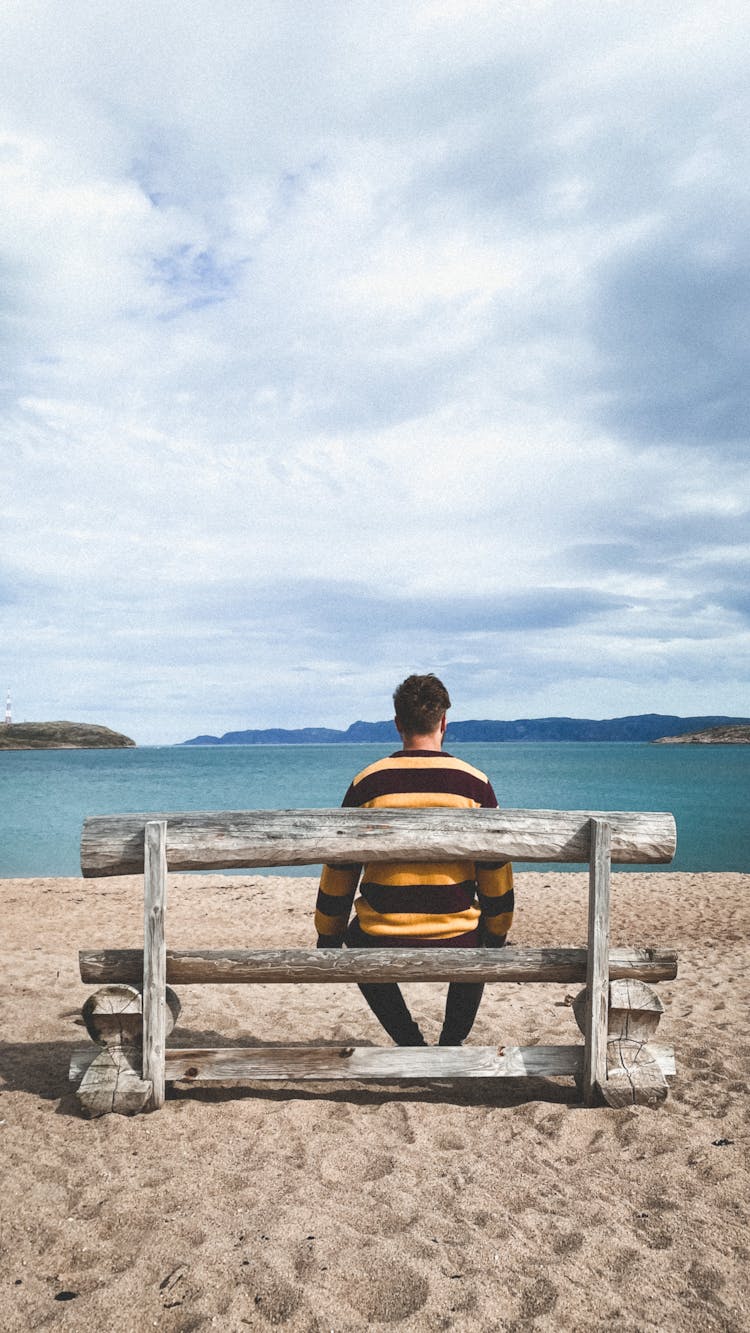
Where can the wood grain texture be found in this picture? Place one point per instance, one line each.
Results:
(634, 1076)
(114, 844)
(155, 959)
(225, 1064)
(111, 1082)
(597, 970)
(634, 1009)
(231, 966)
(113, 1015)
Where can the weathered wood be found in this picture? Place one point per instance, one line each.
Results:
(155, 959)
(220, 966)
(112, 1083)
(327, 1063)
(597, 971)
(622, 1070)
(634, 1076)
(113, 1015)
(113, 844)
(634, 1010)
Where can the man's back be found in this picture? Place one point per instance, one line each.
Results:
(429, 901)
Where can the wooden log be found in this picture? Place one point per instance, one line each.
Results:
(634, 1010)
(113, 1015)
(354, 1063)
(634, 1076)
(597, 970)
(113, 844)
(220, 966)
(112, 1083)
(155, 959)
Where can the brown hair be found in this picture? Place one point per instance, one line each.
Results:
(420, 702)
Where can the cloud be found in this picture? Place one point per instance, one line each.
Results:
(671, 330)
(353, 340)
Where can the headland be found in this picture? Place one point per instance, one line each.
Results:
(61, 736)
(724, 735)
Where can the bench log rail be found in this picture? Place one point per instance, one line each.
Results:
(619, 1062)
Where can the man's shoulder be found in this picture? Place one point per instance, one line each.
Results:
(419, 759)
(418, 770)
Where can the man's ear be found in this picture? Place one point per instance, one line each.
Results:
(399, 728)
(443, 723)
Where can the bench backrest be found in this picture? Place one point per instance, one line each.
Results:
(235, 839)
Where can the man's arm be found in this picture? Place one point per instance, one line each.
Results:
(338, 885)
(496, 901)
(496, 898)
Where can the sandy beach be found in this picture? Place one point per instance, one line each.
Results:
(502, 1206)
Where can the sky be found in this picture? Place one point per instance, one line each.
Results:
(343, 339)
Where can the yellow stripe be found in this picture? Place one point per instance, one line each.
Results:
(338, 882)
(329, 925)
(494, 883)
(420, 761)
(416, 923)
(420, 800)
(499, 925)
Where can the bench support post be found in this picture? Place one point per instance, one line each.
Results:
(155, 959)
(597, 967)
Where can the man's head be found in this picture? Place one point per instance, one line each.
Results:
(421, 703)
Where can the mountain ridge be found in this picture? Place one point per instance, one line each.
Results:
(633, 727)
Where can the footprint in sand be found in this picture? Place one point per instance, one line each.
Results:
(270, 1295)
(539, 1298)
(390, 1294)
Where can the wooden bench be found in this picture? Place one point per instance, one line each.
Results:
(132, 1015)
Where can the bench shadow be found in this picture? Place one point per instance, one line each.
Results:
(41, 1068)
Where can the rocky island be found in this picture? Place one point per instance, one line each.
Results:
(61, 736)
(735, 735)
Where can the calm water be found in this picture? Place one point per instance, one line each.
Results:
(45, 795)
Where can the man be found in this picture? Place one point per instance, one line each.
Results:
(419, 905)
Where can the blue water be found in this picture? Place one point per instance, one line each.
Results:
(46, 794)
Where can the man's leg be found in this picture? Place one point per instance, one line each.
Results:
(390, 1009)
(385, 998)
(461, 1007)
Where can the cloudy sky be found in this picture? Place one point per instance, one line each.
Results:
(348, 338)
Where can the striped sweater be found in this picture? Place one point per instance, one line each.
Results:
(430, 901)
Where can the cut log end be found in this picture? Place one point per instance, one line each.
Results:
(634, 1077)
(634, 1010)
(112, 1084)
(113, 1015)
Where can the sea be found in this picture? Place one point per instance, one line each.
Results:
(45, 795)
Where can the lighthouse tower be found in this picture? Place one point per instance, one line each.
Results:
(8, 718)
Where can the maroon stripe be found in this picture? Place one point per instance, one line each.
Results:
(496, 906)
(331, 904)
(426, 899)
(449, 781)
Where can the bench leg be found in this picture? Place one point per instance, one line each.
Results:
(155, 959)
(597, 964)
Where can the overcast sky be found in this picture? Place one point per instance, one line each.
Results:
(343, 339)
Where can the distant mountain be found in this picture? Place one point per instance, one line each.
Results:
(639, 727)
(60, 736)
(725, 735)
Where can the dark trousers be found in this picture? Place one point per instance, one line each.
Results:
(389, 1006)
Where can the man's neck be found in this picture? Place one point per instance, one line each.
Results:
(433, 740)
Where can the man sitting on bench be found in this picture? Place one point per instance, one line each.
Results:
(451, 904)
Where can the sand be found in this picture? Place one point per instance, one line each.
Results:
(491, 1206)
